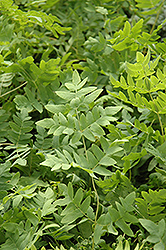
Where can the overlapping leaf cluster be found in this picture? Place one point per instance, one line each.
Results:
(82, 125)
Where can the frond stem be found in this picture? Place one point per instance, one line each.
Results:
(157, 16)
(97, 210)
(13, 89)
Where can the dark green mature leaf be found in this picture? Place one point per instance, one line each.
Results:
(121, 217)
(157, 233)
(21, 126)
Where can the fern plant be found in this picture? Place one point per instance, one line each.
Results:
(82, 125)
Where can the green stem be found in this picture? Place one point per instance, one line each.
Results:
(97, 210)
(160, 122)
(13, 89)
(154, 24)
(93, 184)
(157, 16)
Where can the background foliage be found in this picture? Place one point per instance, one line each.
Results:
(82, 125)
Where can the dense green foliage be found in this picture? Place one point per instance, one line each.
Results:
(82, 125)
